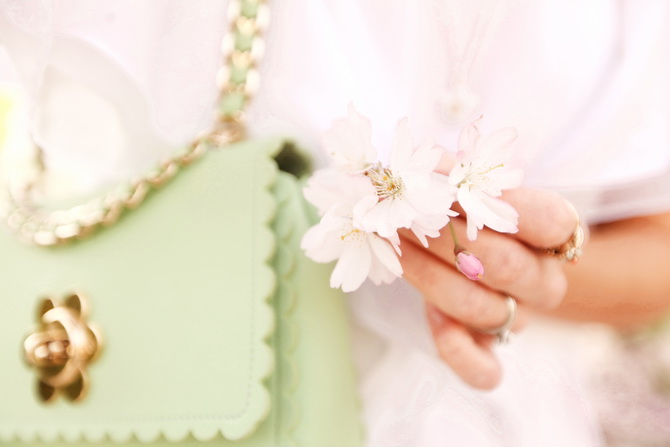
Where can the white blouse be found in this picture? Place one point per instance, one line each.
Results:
(116, 85)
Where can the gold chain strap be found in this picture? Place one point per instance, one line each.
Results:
(237, 81)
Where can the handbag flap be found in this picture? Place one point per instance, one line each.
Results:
(179, 289)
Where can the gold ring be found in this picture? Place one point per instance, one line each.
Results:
(504, 331)
(571, 251)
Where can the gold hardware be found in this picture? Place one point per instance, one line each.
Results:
(62, 347)
(226, 131)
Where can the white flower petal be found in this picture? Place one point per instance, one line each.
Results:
(425, 158)
(502, 216)
(380, 274)
(474, 209)
(469, 137)
(401, 214)
(364, 206)
(394, 240)
(498, 143)
(436, 198)
(387, 216)
(508, 178)
(329, 189)
(323, 189)
(457, 174)
(385, 255)
(352, 268)
(471, 229)
(482, 209)
(323, 242)
(417, 180)
(428, 226)
(364, 128)
(401, 151)
(349, 144)
(357, 187)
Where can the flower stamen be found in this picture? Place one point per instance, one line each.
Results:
(352, 234)
(479, 177)
(386, 183)
(501, 165)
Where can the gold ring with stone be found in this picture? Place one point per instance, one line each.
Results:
(570, 251)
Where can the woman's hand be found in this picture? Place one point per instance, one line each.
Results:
(516, 265)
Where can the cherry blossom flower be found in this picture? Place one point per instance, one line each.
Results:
(328, 188)
(481, 175)
(410, 194)
(349, 143)
(363, 202)
(359, 254)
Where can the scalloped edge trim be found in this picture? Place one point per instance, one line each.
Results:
(267, 147)
(287, 408)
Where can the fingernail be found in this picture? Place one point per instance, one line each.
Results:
(572, 209)
(486, 381)
(585, 228)
(574, 212)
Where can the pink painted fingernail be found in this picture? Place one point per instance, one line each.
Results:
(469, 265)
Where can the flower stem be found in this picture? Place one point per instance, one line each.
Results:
(457, 246)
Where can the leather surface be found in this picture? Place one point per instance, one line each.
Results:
(187, 304)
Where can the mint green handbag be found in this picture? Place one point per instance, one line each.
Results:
(193, 320)
(215, 325)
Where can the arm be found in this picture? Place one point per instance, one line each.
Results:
(623, 278)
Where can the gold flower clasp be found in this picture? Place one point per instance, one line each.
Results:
(62, 347)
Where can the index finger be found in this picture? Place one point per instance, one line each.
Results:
(546, 219)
